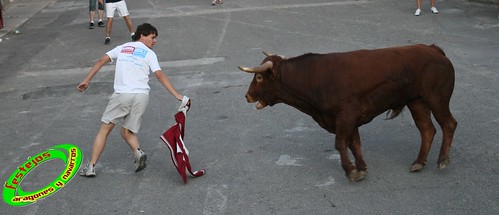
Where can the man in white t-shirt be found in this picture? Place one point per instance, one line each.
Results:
(135, 61)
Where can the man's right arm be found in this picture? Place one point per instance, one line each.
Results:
(97, 66)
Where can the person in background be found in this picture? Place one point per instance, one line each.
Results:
(91, 13)
(497, 8)
(433, 9)
(111, 7)
(135, 61)
(214, 2)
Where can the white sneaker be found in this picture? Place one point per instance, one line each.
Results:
(140, 160)
(418, 12)
(88, 170)
(434, 10)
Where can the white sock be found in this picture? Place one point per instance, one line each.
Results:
(138, 152)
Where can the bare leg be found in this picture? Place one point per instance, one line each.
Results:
(432, 3)
(419, 2)
(91, 15)
(100, 141)
(109, 26)
(101, 14)
(129, 23)
(133, 142)
(131, 139)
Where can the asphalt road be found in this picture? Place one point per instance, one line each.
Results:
(271, 161)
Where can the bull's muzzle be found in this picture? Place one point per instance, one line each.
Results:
(251, 99)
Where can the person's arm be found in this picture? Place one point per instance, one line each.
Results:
(97, 66)
(165, 81)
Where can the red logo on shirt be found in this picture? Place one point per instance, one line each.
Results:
(127, 50)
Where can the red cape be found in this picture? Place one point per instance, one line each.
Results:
(174, 139)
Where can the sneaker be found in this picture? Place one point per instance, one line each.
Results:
(140, 161)
(88, 170)
(418, 12)
(101, 24)
(91, 26)
(434, 10)
(107, 41)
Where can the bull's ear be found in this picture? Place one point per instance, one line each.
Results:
(274, 73)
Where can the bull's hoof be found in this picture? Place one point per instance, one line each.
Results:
(416, 167)
(355, 175)
(443, 164)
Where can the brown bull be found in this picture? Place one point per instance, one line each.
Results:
(342, 91)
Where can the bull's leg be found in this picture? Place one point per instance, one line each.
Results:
(342, 142)
(355, 148)
(421, 114)
(448, 125)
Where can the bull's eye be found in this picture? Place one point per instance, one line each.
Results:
(259, 77)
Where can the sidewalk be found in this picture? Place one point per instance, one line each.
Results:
(18, 12)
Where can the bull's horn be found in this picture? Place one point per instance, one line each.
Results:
(258, 69)
(268, 54)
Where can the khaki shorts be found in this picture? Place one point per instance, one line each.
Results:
(126, 108)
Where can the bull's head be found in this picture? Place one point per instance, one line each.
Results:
(263, 87)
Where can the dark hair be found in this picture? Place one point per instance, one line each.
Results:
(144, 29)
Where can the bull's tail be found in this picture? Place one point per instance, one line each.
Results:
(438, 49)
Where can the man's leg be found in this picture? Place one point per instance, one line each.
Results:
(109, 26)
(91, 10)
(91, 15)
(100, 13)
(100, 141)
(129, 24)
(133, 142)
(131, 139)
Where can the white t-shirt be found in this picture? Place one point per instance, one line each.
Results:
(134, 63)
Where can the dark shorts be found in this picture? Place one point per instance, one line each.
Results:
(92, 4)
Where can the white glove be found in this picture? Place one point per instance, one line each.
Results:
(184, 106)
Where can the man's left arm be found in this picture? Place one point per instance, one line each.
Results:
(165, 81)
